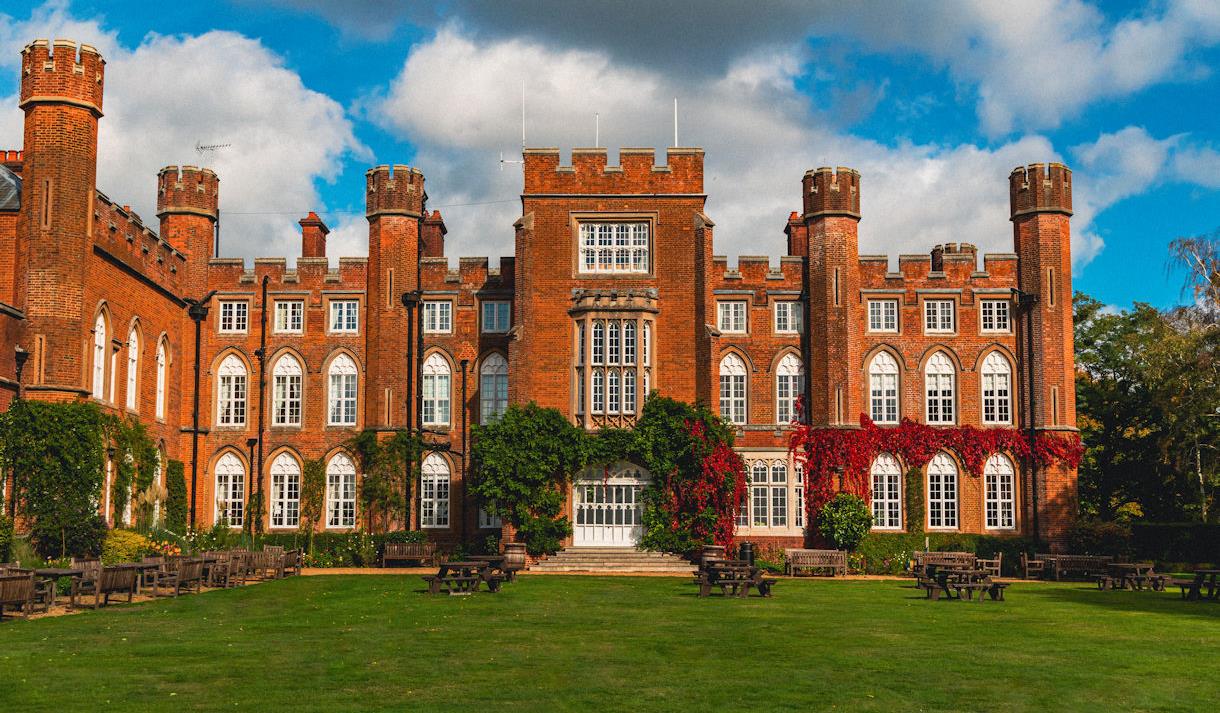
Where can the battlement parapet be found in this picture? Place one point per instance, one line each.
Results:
(831, 192)
(63, 72)
(1040, 188)
(637, 172)
(188, 190)
(119, 231)
(757, 271)
(394, 190)
(473, 273)
(957, 265)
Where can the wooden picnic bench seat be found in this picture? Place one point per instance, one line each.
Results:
(830, 562)
(454, 585)
(17, 590)
(957, 560)
(422, 552)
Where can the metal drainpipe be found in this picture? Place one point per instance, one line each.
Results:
(465, 410)
(262, 386)
(197, 311)
(1026, 302)
(807, 355)
(409, 303)
(418, 376)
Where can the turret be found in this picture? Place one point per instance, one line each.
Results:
(830, 192)
(394, 190)
(61, 95)
(1040, 188)
(188, 201)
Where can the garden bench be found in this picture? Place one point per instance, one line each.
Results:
(17, 590)
(1032, 567)
(115, 580)
(831, 562)
(422, 552)
(991, 567)
(955, 560)
(292, 562)
(1082, 566)
(189, 572)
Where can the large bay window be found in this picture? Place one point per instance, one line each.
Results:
(616, 368)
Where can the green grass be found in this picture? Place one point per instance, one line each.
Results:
(581, 643)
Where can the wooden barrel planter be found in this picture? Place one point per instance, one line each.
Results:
(710, 552)
(514, 555)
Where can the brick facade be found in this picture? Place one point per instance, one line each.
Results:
(613, 288)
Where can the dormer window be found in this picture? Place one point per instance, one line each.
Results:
(614, 247)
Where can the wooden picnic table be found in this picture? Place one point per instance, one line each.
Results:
(496, 565)
(734, 577)
(1130, 575)
(459, 578)
(953, 581)
(53, 574)
(1192, 589)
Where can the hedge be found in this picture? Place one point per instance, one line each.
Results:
(1179, 542)
(342, 549)
(6, 537)
(890, 553)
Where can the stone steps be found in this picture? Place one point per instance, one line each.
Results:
(616, 560)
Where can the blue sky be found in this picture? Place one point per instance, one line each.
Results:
(934, 104)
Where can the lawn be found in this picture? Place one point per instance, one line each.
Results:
(583, 643)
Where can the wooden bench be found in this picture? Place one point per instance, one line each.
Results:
(1082, 566)
(115, 580)
(991, 566)
(830, 562)
(17, 590)
(956, 560)
(422, 552)
(188, 573)
(1031, 566)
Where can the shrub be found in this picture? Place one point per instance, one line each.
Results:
(891, 553)
(175, 498)
(845, 521)
(1093, 537)
(6, 537)
(770, 558)
(342, 549)
(125, 546)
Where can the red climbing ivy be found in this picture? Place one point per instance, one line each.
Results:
(840, 459)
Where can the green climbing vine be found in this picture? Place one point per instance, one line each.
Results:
(385, 489)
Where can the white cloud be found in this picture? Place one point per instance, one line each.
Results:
(759, 132)
(170, 92)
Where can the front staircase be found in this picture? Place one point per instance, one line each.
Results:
(613, 560)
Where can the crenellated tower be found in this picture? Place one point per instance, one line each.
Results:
(394, 206)
(188, 200)
(1040, 197)
(61, 95)
(831, 201)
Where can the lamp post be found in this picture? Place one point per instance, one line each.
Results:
(20, 356)
(1025, 304)
(410, 300)
(197, 310)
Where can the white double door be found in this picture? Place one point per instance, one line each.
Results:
(608, 506)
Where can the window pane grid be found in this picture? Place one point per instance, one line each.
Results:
(614, 247)
(344, 316)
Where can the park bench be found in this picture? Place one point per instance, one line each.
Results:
(1031, 566)
(830, 562)
(1192, 587)
(188, 573)
(17, 590)
(115, 580)
(422, 552)
(991, 566)
(1077, 566)
(953, 560)
(292, 562)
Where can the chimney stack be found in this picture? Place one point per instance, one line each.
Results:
(434, 235)
(313, 236)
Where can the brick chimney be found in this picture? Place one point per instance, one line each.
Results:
(434, 235)
(313, 236)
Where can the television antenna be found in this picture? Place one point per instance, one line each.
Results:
(204, 149)
(522, 161)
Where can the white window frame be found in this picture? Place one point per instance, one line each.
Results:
(885, 477)
(436, 390)
(289, 316)
(798, 495)
(1000, 316)
(133, 370)
(340, 492)
(344, 316)
(493, 387)
(996, 376)
(162, 380)
(734, 391)
(885, 403)
(937, 313)
(100, 343)
(487, 521)
(944, 492)
(622, 247)
(230, 476)
(940, 382)
(232, 390)
(495, 316)
(788, 317)
(789, 385)
(883, 316)
(285, 492)
(234, 317)
(287, 392)
(732, 316)
(438, 316)
(342, 391)
(999, 493)
(435, 483)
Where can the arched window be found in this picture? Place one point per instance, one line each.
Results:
(938, 377)
(789, 383)
(883, 388)
(733, 389)
(99, 356)
(999, 479)
(230, 490)
(942, 492)
(340, 492)
(231, 392)
(887, 493)
(493, 387)
(285, 491)
(436, 391)
(286, 392)
(997, 389)
(342, 393)
(133, 370)
(434, 492)
(162, 378)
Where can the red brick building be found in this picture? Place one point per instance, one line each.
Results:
(613, 291)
